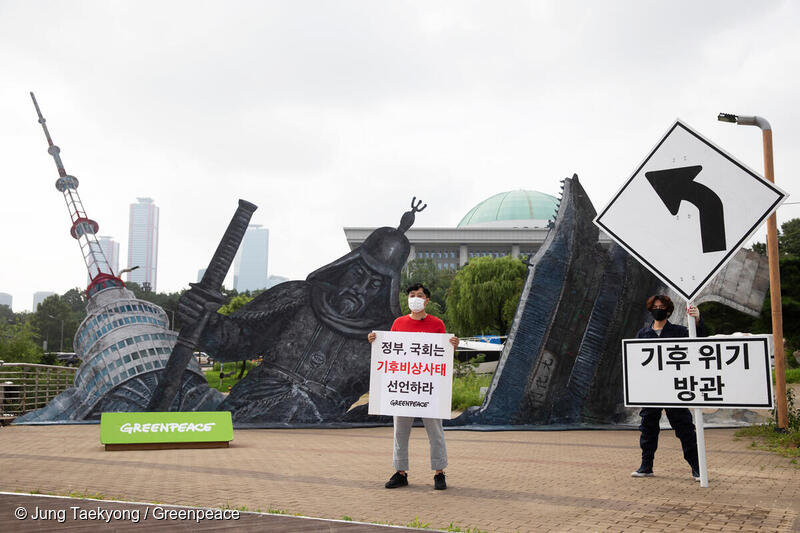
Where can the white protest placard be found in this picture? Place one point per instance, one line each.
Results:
(411, 374)
(723, 372)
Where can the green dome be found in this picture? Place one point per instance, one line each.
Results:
(518, 208)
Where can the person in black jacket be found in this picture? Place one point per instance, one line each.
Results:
(680, 418)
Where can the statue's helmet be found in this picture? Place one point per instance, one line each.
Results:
(358, 292)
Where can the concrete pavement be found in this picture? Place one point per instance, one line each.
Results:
(498, 481)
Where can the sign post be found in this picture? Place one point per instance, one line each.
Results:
(684, 213)
(699, 424)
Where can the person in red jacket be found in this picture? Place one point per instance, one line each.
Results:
(418, 322)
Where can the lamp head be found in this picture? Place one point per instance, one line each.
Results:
(728, 117)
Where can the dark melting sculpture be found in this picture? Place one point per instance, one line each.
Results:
(561, 363)
(311, 334)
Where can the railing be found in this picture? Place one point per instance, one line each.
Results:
(25, 387)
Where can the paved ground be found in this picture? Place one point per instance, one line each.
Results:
(498, 481)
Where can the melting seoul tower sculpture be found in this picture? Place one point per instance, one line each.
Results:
(83, 228)
(123, 343)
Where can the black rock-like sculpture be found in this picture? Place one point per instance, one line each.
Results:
(312, 334)
(561, 364)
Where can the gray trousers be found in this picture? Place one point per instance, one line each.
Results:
(402, 429)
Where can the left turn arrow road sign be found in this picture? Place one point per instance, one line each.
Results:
(687, 209)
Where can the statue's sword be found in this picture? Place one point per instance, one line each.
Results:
(209, 289)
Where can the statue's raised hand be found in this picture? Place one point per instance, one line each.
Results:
(194, 304)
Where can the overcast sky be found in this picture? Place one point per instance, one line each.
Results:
(332, 114)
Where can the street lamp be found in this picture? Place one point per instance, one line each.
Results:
(62, 332)
(774, 266)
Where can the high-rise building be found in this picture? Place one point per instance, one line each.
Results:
(250, 269)
(6, 299)
(110, 249)
(39, 297)
(143, 242)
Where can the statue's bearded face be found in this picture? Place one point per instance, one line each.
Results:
(359, 285)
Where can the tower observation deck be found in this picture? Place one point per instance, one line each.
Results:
(83, 229)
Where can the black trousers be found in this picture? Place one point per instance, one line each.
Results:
(681, 421)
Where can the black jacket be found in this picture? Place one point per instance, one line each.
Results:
(670, 330)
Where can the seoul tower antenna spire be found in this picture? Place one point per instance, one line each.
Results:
(83, 228)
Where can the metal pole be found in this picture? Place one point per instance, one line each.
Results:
(775, 293)
(698, 413)
(781, 406)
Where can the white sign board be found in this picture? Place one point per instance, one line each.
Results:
(687, 209)
(726, 372)
(411, 374)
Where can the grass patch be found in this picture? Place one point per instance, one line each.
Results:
(467, 390)
(230, 379)
(792, 375)
(766, 436)
(242, 508)
(418, 524)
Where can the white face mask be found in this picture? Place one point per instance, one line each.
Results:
(416, 304)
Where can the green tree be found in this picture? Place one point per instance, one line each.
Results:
(7, 316)
(236, 303)
(790, 306)
(789, 238)
(55, 322)
(719, 319)
(484, 295)
(76, 300)
(435, 279)
(18, 342)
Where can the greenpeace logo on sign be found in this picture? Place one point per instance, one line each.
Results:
(409, 403)
(166, 427)
(172, 427)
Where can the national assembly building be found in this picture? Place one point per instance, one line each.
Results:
(509, 223)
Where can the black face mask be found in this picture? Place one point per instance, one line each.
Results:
(659, 314)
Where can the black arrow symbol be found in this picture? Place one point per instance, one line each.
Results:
(674, 185)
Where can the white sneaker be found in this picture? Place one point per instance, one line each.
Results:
(642, 473)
